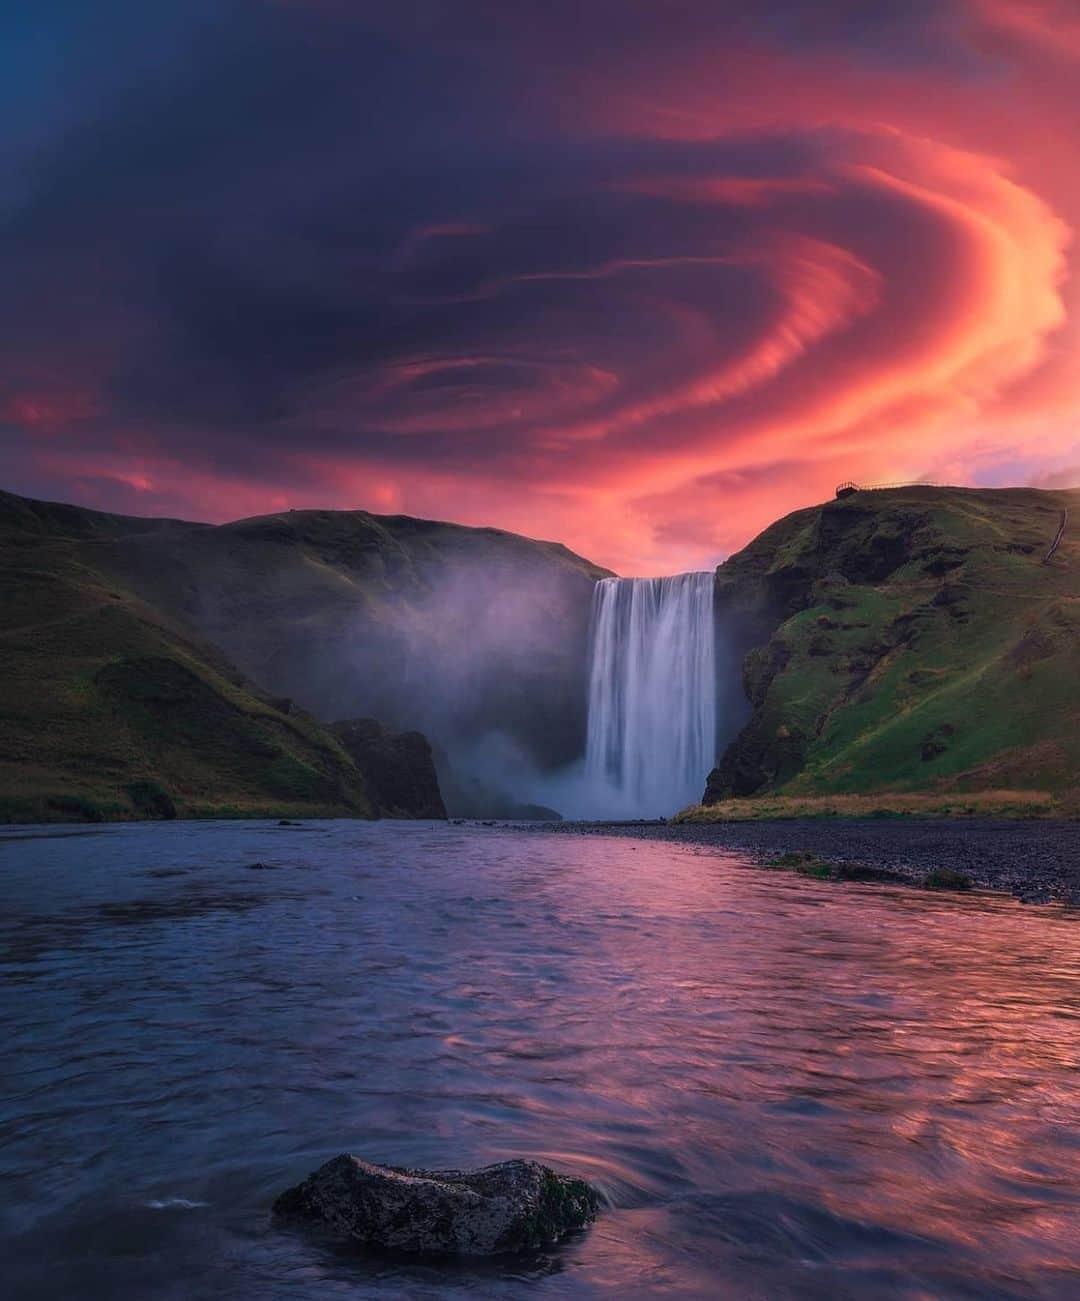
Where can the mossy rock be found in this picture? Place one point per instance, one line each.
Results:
(511, 1207)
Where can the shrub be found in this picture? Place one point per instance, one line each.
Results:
(150, 799)
(946, 878)
(79, 808)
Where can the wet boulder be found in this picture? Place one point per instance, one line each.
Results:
(509, 1207)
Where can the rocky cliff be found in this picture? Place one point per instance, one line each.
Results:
(398, 768)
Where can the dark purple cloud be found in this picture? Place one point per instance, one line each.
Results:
(427, 255)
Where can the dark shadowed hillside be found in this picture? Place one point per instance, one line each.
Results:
(196, 656)
(908, 640)
(109, 708)
(454, 631)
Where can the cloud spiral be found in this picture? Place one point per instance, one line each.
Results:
(637, 280)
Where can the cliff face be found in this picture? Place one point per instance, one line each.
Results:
(398, 768)
(908, 639)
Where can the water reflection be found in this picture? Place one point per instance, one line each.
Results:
(784, 1088)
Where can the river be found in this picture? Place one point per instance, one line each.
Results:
(782, 1087)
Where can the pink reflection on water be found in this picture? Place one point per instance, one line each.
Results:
(784, 1088)
(805, 1071)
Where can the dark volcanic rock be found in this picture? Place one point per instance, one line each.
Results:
(398, 768)
(512, 1206)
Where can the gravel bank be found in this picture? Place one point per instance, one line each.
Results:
(1038, 861)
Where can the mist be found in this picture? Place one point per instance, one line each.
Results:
(535, 705)
(477, 638)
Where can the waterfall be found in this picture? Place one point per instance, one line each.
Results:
(652, 694)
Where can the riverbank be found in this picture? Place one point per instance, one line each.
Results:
(1016, 804)
(1038, 861)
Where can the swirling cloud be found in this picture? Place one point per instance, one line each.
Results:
(638, 285)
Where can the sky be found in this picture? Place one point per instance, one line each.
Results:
(637, 277)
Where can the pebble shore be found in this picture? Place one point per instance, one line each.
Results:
(1037, 861)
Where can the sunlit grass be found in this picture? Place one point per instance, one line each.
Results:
(1001, 803)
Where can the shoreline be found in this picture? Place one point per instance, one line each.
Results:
(1035, 860)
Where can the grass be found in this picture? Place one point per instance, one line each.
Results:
(1014, 804)
(945, 878)
(805, 863)
(109, 709)
(939, 678)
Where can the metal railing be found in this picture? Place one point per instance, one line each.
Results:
(850, 486)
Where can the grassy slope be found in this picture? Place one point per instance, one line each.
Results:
(945, 669)
(311, 571)
(353, 614)
(110, 709)
(949, 665)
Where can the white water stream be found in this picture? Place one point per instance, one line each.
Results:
(652, 695)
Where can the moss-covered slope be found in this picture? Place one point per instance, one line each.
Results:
(908, 640)
(109, 709)
(454, 631)
(140, 656)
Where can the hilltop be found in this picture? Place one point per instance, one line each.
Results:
(110, 709)
(912, 642)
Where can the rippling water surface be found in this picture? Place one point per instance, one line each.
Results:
(784, 1088)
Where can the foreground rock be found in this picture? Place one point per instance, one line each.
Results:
(512, 1206)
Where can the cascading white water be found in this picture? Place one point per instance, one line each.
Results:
(652, 694)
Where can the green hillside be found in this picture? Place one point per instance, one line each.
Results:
(453, 631)
(110, 710)
(908, 644)
(149, 665)
(908, 640)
